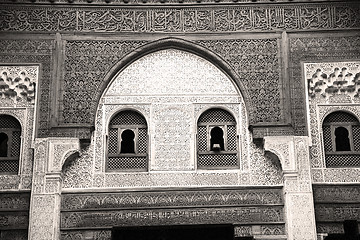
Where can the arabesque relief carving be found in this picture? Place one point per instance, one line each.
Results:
(332, 86)
(182, 19)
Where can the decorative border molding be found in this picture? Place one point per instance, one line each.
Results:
(182, 19)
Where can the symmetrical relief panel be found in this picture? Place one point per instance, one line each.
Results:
(314, 50)
(171, 89)
(256, 61)
(17, 93)
(333, 106)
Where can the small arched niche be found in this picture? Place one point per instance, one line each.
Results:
(170, 88)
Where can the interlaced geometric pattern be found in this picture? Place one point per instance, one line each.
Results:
(15, 146)
(327, 138)
(344, 160)
(9, 166)
(216, 115)
(217, 160)
(202, 139)
(142, 146)
(113, 141)
(127, 163)
(7, 121)
(231, 138)
(356, 137)
(337, 117)
(128, 118)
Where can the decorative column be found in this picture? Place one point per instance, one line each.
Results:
(50, 155)
(293, 153)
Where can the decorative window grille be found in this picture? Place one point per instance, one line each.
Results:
(10, 144)
(217, 143)
(127, 142)
(341, 138)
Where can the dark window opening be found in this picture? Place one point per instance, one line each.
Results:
(4, 145)
(127, 141)
(342, 140)
(341, 131)
(351, 232)
(10, 144)
(217, 139)
(179, 232)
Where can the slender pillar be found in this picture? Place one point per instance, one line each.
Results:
(293, 153)
(50, 154)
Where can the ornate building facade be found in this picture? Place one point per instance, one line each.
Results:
(224, 119)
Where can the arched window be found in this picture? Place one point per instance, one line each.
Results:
(217, 143)
(10, 143)
(341, 137)
(127, 142)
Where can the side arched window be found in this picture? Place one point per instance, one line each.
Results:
(10, 144)
(217, 144)
(127, 142)
(341, 137)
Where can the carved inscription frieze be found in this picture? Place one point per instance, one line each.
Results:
(181, 19)
(172, 216)
(75, 202)
(337, 193)
(333, 212)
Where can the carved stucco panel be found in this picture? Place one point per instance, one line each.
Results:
(159, 73)
(79, 173)
(172, 137)
(58, 149)
(284, 148)
(343, 97)
(18, 85)
(18, 100)
(167, 109)
(301, 217)
(25, 116)
(317, 151)
(342, 175)
(42, 217)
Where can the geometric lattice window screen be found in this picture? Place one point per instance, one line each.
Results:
(10, 144)
(127, 153)
(217, 150)
(349, 125)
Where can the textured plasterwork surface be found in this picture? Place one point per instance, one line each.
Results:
(171, 72)
(171, 102)
(320, 105)
(16, 78)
